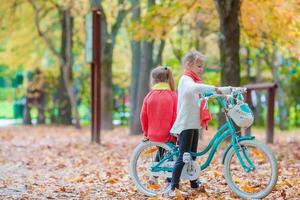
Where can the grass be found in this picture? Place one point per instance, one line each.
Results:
(6, 110)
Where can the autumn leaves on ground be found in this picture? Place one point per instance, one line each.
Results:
(61, 163)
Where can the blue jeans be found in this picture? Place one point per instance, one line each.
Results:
(188, 142)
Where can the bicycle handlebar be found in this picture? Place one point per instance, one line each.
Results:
(234, 91)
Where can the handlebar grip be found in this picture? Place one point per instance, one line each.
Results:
(208, 94)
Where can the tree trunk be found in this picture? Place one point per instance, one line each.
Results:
(229, 41)
(248, 65)
(67, 34)
(134, 122)
(66, 104)
(159, 56)
(66, 99)
(108, 41)
(106, 87)
(64, 107)
(229, 45)
(147, 65)
(296, 114)
(258, 109)
(272, 59)
(199, 37)
(27, 116)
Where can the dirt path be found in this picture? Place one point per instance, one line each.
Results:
(44, 162)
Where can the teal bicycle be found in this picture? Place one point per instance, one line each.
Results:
(250, 168)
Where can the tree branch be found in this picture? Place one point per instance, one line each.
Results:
(188, 9)
(120, 17)
(158, 60)
(177, 52)
(41, 33)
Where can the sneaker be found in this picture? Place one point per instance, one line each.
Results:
(195, 184)
(168, 180)
(153, 180)
(177, 193)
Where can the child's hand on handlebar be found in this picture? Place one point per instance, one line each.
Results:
(218, 91)
(240, 89)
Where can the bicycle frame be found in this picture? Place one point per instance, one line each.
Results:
(225, 131)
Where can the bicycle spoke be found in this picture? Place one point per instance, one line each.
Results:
(148, 157)
(254, 181)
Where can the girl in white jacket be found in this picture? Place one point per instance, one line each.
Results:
(188, 121)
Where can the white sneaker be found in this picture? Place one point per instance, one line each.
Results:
(153, 180)
(172, 193)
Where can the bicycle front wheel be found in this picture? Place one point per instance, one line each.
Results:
(145, 155)
(257, 183)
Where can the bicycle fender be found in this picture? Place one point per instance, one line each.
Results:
(242, 138)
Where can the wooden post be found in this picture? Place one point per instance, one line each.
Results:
(96, 76)
(270, 117)
(271, 87)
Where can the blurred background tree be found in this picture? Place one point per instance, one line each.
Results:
(249, 41)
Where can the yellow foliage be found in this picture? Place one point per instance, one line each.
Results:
(271, 21)
(22, 44)
(161, 18)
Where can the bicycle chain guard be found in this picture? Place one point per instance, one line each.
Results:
(190, 171)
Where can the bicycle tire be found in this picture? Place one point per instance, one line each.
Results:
(274, 171)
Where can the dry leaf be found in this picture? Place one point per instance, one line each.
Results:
(75, 179)
(112, 180)
(62, 189)
(153, 186)
(84, 194)
(154, 198)
(216, 173)
(283, 194)
(247, 188)
(258, 154)
(237, 180)
(150, 151)
(179, 196)
(105, 170)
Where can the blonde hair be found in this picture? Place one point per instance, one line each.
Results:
(191, 58)
(162, 74)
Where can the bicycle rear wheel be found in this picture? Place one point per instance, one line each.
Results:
(257, 183)
(143, 158)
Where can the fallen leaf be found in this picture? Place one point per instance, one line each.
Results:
(84, 194)
(283, 194)
(216, 173)
(237, 180)
(153, 186)
(60, 165)
(112, 180)
(150, 151)
(179, 196)
(247, 188)
(258, 154)
(154, 198)
(75, 179)
(62, 189)
(110, 192)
